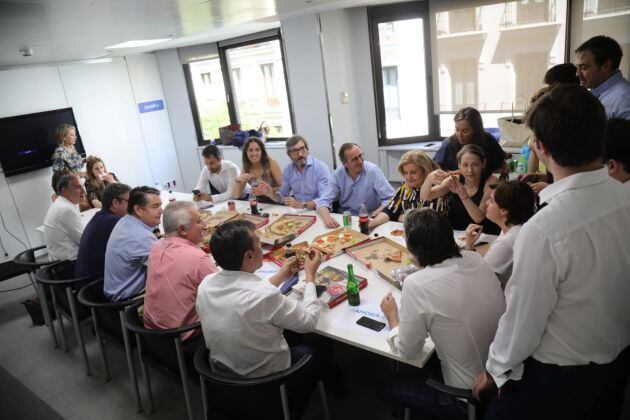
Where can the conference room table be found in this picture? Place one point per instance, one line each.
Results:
(339, 322)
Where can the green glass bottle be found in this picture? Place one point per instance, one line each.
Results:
(352, 288)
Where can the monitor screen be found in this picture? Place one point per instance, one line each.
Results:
(27, 142)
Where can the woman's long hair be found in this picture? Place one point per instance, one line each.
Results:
(264, 157)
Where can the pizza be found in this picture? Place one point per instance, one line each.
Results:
(397, 232)
(285, 227)
(331, 243)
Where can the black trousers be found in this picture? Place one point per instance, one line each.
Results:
(564, 392)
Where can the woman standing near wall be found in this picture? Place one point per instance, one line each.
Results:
(65, 157)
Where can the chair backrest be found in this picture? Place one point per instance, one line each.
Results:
(106, 312)
(157, 344)
(252, 398)
(29, 259)
(60, 276)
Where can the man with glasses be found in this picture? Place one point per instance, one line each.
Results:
(357, 182)
(130, 243)
(304, 180)
(62, 225)
(91, 258)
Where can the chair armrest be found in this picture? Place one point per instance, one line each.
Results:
(451, 390)
(134, 323)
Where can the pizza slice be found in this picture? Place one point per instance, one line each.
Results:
(394, 256)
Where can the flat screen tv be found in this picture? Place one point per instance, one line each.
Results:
(27, 142)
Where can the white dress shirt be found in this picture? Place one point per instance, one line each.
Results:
(458, 303)
(63, 228)
(500, 254)
(243, 316)
(222, 181)
(569, 294)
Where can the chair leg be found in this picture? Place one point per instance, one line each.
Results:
(204, 397)
(77, 329)
(44, 304)
(145, 374)
(472, 412)
(407, 413)
(130, 364)
(184, 373)
(285, 402)
(64, 341)
(101, 346)
(322, 396)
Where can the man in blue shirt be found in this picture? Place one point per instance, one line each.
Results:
(598, 69)
(304, 180)
(91, 258)
(130, 243)
(357, 182)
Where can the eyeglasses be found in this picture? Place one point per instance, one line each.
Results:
(357, 158)
(297, 150)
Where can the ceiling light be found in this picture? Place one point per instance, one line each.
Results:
(137, 43)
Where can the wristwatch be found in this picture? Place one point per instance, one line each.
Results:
(304, 205)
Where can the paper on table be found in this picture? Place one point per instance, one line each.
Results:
(268, 269)
(347, 319)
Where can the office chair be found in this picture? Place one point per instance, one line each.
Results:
(248, 397)
(109, 318)
(59, 277)
(32, 262)
(163, 347)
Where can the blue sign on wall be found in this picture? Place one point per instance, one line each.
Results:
(151, 106)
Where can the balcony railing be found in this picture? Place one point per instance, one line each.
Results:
(602, 7)
(518, 13)
(456, 21)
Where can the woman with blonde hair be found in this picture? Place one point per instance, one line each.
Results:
(414, 166)
(259, 171)
(65, 156)
(97, 179)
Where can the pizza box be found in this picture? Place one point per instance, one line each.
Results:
(372, 254)
(258, 221)
(285, 229)
(277, 255)
(331, 284)
(334, 242)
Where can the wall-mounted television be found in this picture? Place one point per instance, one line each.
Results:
(27, 142)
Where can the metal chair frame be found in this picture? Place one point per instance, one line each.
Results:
(28, 259)
(473, 407)
(119, 307)
(134, 324)
(46, 277)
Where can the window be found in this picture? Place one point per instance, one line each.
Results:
(401, 60)
(239, 83)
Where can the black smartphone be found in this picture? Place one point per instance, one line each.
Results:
(370, 323)
(196, 192)
(288, 284)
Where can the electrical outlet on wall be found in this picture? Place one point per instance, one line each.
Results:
(170, 184)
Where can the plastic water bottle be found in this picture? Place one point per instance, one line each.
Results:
(171, 196)
(364, 222)
(521, 167)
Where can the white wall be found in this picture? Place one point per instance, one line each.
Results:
(137, 147)
(346, 48)
(180, 115)
(306, 83)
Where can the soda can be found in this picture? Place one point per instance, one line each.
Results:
(231, 205)
(347, 219)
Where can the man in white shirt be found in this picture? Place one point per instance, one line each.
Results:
(243, 315)
(457, 300)
(216, 178)
(63, 226)
(561, 348)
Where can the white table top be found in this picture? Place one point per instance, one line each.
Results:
(330, 323)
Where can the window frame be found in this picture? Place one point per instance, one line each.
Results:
(228, 86)
(388, 13)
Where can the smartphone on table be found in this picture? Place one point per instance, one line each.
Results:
(370, 323)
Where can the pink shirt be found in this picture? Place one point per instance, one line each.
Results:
(175, 269)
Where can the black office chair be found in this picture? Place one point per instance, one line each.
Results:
(109, 319)
(59, 277)
(475, 407)
(248, 398)
(163, 347)
(33, 259)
